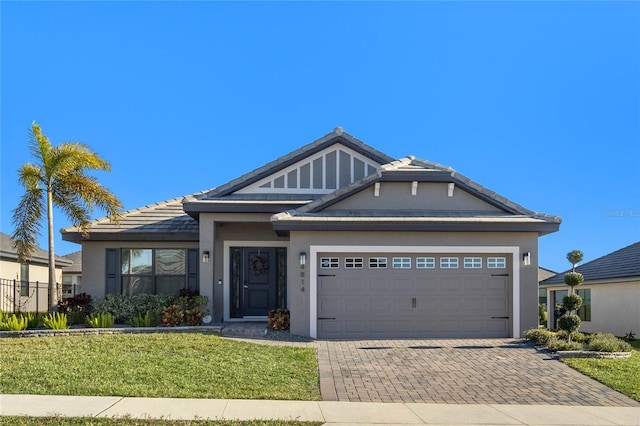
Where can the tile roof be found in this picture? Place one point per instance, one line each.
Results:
(76, 267)
(165, 218)
(7, 251)
(623, 263)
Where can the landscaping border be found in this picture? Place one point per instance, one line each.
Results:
(215, 329)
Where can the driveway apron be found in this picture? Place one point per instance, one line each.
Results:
(454, 371)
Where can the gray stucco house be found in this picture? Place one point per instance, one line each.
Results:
(355, 243)
(610, 293)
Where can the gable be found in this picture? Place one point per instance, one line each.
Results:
(423, 196)
(320, 173)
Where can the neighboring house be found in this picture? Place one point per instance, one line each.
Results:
(610, 293)
(72, 275)
(24, 286)
(543, 274)
(356, 244)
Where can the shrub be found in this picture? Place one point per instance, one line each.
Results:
(33, 321)
(55, 321)
(124, 308)
(172, 316)
(76, 308)
(141, 321)
(569, 323)
(542, 314)
(602, 342)
(573, 279)
(538, 335)
(194, 315)
(13, 323)
(572, 302)
(279, 319)
(555, 344)
(100, 320)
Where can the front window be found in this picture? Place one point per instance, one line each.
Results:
(153, 271)
(585, 310)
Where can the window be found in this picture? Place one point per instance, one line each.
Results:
(24, 279)
(473, 262)
(425, 262)
(585, 310)
(377, 262)
(496, 262)
(353, 263)
(153, 271)
(449, 262)
(401, 263)
(329, 262)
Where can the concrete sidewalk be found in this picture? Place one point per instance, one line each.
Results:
(329, 412)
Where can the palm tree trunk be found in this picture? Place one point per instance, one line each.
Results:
(53, 286)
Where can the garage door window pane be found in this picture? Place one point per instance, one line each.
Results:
(449, 262)
(329, 262)
(496, 262)
(377, 262)
(353, 263)
(425, 262)
(402, 263)
(473, 262)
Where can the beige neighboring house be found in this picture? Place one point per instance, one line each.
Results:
(610, 293)
(543, 274)
(72, 275)
(24, 287)
(355, 243)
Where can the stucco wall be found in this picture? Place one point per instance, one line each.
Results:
(429, 196)
(615, 307)
(299, 300)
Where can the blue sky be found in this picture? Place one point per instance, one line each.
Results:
(538, 101)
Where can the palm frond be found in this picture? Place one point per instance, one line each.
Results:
(71, 157)
(27, 222)
(39, 145)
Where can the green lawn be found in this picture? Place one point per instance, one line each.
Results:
(622, 375)
(91, 421)
(157, 365)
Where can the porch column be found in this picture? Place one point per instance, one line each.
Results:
(207, 263)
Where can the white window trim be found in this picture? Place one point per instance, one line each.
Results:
(315, 250)
(401, 263)
(432, 261)
(226, 259)
(473, 263)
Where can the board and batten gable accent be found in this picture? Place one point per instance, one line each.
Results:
(315, 250)
(320, 173)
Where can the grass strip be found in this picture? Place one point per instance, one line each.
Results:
(622, 375)
(157, 365)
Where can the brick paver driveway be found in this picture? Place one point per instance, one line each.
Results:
(456, 371)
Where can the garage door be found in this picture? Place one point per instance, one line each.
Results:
(408, 295)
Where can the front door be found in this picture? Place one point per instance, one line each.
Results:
(258, 277)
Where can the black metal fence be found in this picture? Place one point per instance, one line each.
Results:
(30, 296)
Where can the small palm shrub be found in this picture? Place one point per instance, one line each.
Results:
(55, 321)
(33, 321)
(141, 321)
(13, 323)
(100, 320)
(604, 342)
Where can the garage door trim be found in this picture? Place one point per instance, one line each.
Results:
(315, 250)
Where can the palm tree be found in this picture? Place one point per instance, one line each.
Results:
(58, 177)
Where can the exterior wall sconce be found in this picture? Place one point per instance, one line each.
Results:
(303, 258)
(205, 256)
(526, 258)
